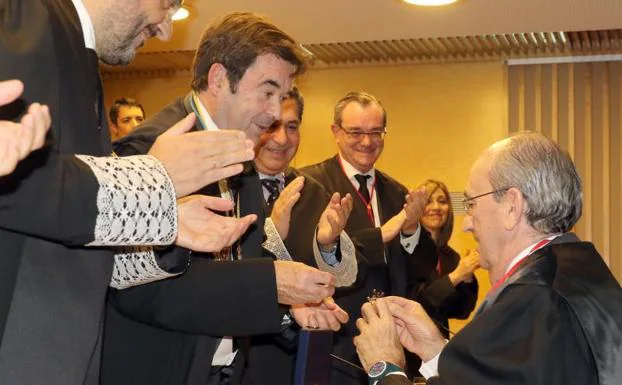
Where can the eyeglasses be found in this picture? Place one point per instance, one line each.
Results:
(469, 203)
(357, 134)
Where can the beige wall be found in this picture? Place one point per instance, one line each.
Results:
(439, 118)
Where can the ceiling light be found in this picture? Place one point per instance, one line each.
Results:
(181, 14)
(430, 3)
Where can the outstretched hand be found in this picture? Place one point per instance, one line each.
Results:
(202, 230)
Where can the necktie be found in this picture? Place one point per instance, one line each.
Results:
(362, 179)
(272, 186)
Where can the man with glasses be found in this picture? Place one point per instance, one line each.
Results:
(384, 218)
(554, 313)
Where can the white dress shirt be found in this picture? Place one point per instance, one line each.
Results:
(86, 23)
(408, 242)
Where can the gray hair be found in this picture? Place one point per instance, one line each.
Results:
(546, 177)
(360, 97)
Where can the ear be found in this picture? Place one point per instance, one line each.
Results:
(335, 129)
(513, 208)
(217, 78)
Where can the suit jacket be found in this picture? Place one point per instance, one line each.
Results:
(51, 288)
(557, 320)
(166, 332)
(390, 277)
(271, 358)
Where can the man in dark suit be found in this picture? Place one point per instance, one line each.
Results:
(310, 224)
(384, 220)
(169, 332)
(554, 313)
(65, 206)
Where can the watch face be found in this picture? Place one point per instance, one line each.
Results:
(377, 369)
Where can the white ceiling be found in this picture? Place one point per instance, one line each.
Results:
(330, 21)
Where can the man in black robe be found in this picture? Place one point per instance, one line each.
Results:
(554, 313)
(66, 205)
(384, 219)
(171, 332)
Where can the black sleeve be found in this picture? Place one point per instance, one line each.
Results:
(235, 298)
(529, 336)
(49, 195)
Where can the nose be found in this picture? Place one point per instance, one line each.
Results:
(279, 136)
(164, 30)
(467, 223)
(366, 141)
(274, 109)
(134, 123)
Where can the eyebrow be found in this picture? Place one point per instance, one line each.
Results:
(270, 82)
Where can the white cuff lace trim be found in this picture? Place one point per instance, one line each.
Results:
(136, 201)
(345, 272)
(135, 266)
(274, 243)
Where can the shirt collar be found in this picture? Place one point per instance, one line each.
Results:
(526, 252)
(88, 30)
(351, 171)
(206, 119)
(280, 176)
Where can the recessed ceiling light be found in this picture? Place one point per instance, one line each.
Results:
(181, 14)
(430, 3)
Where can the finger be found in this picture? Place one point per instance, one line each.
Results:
(329, 303)
(382, 308)
(330, 320)
(181, 126)
(312, 323)
(294, 186)
(26, 135)
(346, 204)
(41, 134)
(215, 161)
(10, 90)
(341, 315)
(214, 203)
(323, 278)
(361, 325)
(335, 198)
(215, 175)
(368, 312)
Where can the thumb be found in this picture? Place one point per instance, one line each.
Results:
(182, 126)
(10, 90)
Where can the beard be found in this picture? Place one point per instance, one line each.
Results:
(116, 39)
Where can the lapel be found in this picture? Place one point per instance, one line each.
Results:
(358, 218)
(525, 268)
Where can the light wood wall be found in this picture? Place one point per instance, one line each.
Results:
(580, 106)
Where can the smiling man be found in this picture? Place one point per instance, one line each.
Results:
(384, 218)
(168, 332)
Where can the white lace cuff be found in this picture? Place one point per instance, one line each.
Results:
(345, 272)
(136, 201)
(274, 243)
(135, 266)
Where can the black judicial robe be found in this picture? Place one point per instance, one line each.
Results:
(166, 332)
(390, 277)
(51, 289)
(558, 320)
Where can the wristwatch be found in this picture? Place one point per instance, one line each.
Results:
(381, 369)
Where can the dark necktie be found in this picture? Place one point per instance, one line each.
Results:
(362, 179)
(272, 185)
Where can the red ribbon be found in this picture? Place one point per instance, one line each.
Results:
(368, 206)
(507, 275)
